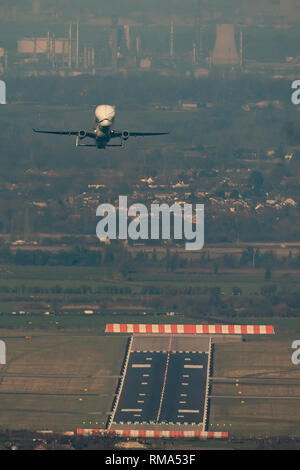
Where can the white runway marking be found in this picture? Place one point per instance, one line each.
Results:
(193, 366)
(140, 365)
(188, 411)
(131, 410)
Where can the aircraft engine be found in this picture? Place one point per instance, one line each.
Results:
(82, 134)
(125, 135)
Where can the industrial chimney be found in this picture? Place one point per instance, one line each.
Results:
(225, 50)
(127, 36)
(36, 7)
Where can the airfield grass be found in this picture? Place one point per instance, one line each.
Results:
(261, 417)
(101, 277)
(255, 418)
(69, 321)
(63, 381)
(120, 308)
(256, 357)
(259, 390)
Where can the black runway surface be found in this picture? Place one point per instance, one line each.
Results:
(153, 393)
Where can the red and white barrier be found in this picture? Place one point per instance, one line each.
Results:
(138, 433)
(190, 329)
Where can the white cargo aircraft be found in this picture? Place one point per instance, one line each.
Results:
(102, 133)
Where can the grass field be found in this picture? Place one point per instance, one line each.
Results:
(58, 382)
(98, 322)
(256, 418)
(264, 358)
(102, 277)
(34, 290)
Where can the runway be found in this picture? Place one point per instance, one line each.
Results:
(163, 387)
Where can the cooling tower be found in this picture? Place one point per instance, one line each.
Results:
(225, 50)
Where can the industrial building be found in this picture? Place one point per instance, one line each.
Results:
(205, 42)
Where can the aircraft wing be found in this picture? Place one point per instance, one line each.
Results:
(88, 134)
(145, 134)
(137, 134)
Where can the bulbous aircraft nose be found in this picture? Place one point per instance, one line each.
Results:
(105, 123)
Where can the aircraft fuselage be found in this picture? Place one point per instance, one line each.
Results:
(104, 119)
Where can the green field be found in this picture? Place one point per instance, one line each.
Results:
(266, 416)
(58, 382)
(49, 276)
(70, 290)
